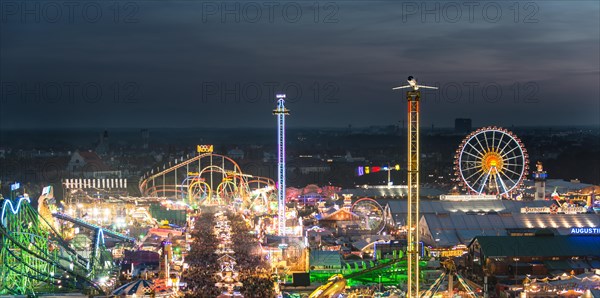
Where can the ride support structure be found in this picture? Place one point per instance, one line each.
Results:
(412, 250)
(281, 112)
(208, 179)
(34, 257)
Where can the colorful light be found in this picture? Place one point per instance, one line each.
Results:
(280, 112)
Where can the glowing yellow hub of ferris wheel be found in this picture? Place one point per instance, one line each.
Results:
(491, 159)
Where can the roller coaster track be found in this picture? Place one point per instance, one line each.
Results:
(144, 181)
(35, 258)
(90, 226)
(215, 179)
(372, 269)
(337, 282)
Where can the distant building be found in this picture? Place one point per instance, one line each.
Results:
(535, 256)
(145, 138)
(103, 144)
(88, 164)
(462, 125)
(349, 158)
(236, 153)
(309, 166)
(267, 156)
(449, 223)
(393, 191)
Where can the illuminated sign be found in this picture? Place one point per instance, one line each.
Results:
(469, 198)
(396, 167)
(15, 186)
(452, 253)
(573, 210)
(374, 169)
(205, 148)
(528, 210)
(585, 231)
(46, 190)
(361, 171)
(553, 209)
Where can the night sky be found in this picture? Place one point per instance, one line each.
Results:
(218, 64)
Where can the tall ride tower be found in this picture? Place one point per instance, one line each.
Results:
(412, 222)
(281, 112)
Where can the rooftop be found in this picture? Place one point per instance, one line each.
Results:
(540, 246)
(456, 228)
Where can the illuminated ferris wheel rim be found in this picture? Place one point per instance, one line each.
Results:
(380, 222)
(495, 159)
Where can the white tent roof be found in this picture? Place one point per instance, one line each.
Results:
(460, 228)
(436, 206)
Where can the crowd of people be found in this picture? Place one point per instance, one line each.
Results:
(202, 260)
(254, 270)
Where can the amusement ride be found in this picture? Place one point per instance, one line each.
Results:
(491, 160)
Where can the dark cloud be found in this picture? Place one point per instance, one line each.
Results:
(183, 64)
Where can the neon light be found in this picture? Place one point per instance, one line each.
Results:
(281, 111)
(13, 209)
(185, 180)
(46, 190)
(361, 171)
(205, 148)
(375, 169)
(15, 186)
(100, 234)
(585, 231)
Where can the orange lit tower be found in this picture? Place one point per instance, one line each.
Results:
(412, 221)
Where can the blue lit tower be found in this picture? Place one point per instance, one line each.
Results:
(540, 181)
(280, 112)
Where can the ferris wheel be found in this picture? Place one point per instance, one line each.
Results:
(371, 214)
(491, 160)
